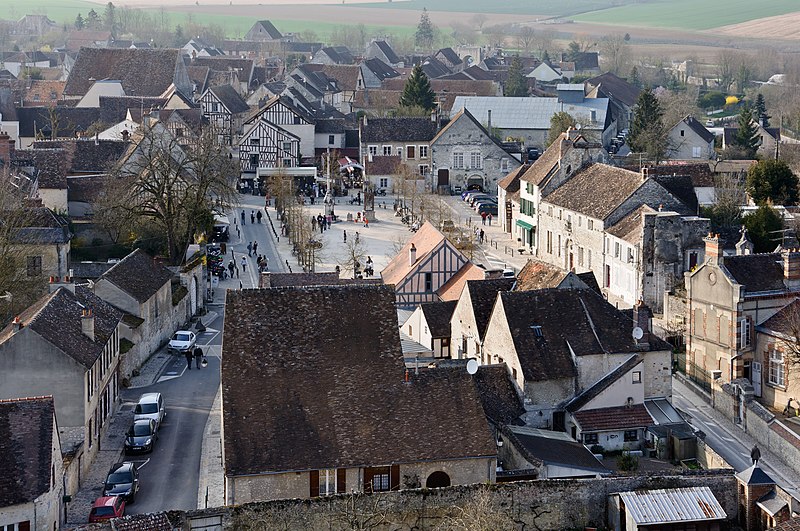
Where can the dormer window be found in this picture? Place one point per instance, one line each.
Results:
(537, 330)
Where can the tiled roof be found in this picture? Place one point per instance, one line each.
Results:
(199, 76)
(590, 280)
(699, 172)
(482, 295)
(793, 524)
(729, 134)
(450, 55)
(437, 315)
(382, 165)
(444, 87)
(698, 128)
(84, 188)
(331, 392)
(41, 92)
(451, 290)
(539, 275)
(464, 114)
(56, 317)
(756, 272)
(783, 321)
(277, 280)
(377, 98)
(26, 449)
(604, 383)
(584, 60)
(346, 76)
(231, 99)
(51, 166)
(381, 70)
(148, 72)
(71, 120)
(631, 226)
(543, 167)
(269, 28)
(86, 155)
(614, 87)
(501, 402)
(510, 183)
(680, 186)
(434, 68)
(417, 129)
(43, 226)
(426, 239)
(553, 448)
(388, 52)
(138, 275)
(613, 418)
(596, 190)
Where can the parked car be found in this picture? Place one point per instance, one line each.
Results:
(181, 341)
(468, 193)
(709, 123)
(150, 406)
(489, 202)
(475, 198)
(122, 480)
(141, 436)
(489, 209)
(106, 508)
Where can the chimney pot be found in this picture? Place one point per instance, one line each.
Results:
(17, 324)
(412, 255)
(87, 323)
(791, 264)
(713, 251)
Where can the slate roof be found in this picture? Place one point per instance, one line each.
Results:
(407, 129)
(498, 394)
(611, 86)
(51, 167)
(231, 99)
(782, 321)
(699, 172)
(138, 275)
(340, 55)
(434, 68)
(554, 448)
(482, 295)
(142, 72)
(381, 70)
(584, 61)
(86, 155)
(26, 448)
(56, 317)
(681, 187)
(437, 315)
(590, 393)
(590, 280)
(539, 275)
(89, 270)
(71, 120)
(698, 128)
(756, 272)
(729, 134)
(571, 320)
(596, 190)
(450, 55)
(243, 66)
(331, 392)
(198, 75)
(755, 476)
(43, 227)
(613, 418)
(269, 28)
(388, 52)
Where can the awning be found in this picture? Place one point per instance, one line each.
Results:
(526, 226)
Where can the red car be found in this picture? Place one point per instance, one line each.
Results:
(106, 508)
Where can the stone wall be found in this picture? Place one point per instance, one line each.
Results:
(545, 504)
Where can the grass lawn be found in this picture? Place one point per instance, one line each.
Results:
(57, 10)
(690, 14)
(523, 7)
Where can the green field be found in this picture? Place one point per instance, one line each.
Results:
(550, 8)
(57, 10)
(690, 14)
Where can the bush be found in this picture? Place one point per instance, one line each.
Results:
(627, 462)
(711, 100)
(597, 449)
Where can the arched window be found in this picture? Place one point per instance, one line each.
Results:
(437, 479)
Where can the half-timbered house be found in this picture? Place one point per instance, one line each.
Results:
(266, 145)
(223, 107)
(423, 267)
(281, 112)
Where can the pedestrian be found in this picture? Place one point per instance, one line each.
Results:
(313, 223)
(230, 267)
(223, 248)
(252, 216)
(366, 222)
(198, 356)
(244, 265)
(489, 217)
(357, 235)
(344, 235)
(255, 247)
(244, 221)
(258, 216)
(755, 455)
(483, 217)
(368, 269)
(249, 248)
(481, 235)
(188, 355)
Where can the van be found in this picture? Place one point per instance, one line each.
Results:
(150, 406)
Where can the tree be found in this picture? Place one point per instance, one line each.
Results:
(746, 137)
(615, 52)
(525, 39)
(172, 188)
(79, 23)
(772, 181)
(426, 31)
(110, 18)
(730, 196)
(354, 257)
(516, 84)
(418, 92)
(92, 19)
(479, 20)
(647, 134)
(761, 111)
(559, 122)
(764, 227)
(573, 51)
(635, 78)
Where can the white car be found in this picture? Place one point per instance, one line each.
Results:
(182, 341)
(709, 123)
(150, 406)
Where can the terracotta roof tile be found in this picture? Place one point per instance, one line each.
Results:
(613, 418)
(451, 290)
(426, 239)
(498, 393)
(596, 190)
(539, 275)
(631, 226)
(510, 183)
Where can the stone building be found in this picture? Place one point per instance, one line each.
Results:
(776, 349)
(471, 316)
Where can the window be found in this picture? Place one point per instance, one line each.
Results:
(559, 245)
(287, 146)
(631, 435)
(580, 256)
(380, 482)
(526, 207)
(255, 141)
(637, 377)
(458, 160)
(411, 152)
(588, 258)
(590, 224)
(745, 333)
(423, 152)
(179, 132)
(287, 163)
(697, 152)
(384, 182)
(580, 221)
(549, 242)
(424, 169)
(476, 160)
(630, 255)
(503, 164)
(616, 249)
(214, 107)
(589, 438)
(373, 150)
(399, 151)
(331, 140)
(327, 482)
(387, 151)
(19, 526)
(36, 97)
(34, 266)
(428, 282)
(777, 368)
(683, 133)
(254, 160)
(296, 120)
(550, 211)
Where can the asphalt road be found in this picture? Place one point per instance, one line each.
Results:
(168, 476)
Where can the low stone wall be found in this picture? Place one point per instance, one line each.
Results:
(708, 458)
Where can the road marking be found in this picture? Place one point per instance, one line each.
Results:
(143, 464)
(165, 378)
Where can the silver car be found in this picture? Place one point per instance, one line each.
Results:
(150, 406)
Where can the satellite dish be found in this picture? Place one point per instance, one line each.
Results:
(472, 366)
(638, 333)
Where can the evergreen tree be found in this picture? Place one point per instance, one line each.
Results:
(573, 51)
(92, 19)
(772, 181)
(763, 226)
(635, 79)
(647, 134)
(761, 111)
(426, 31)
(418, 92)
(747, 138)
(179, 39)
(560, 122)
(516, 84)
(79, 23)
(110, 17)
(545, 56)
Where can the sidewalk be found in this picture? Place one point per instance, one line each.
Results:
(211, 487)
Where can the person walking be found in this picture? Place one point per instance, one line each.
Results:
(366, 222)
(481, 235)
(255, 247)
(198, 356)
(249, 248)
(244, 265)
(223, 248)
(489, 217)
(244, 221)
(344, 235)
(483, 218)
(314, 223)
(252, 216)
(230, 267)
(188, 355)
(258, 216)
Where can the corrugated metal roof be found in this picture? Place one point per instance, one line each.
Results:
(663, 506)
(662, 411)
(530, 113)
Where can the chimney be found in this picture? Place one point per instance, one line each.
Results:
(593, 116)
(57, 282)
(126, 136)
(17, 324)
(97, 138)
(489, 121)
(645, 173)
(412, 255)
(264, 280)
(791, 265)
(713, 251)
(87, 323)
(6, 147)
(641, 320)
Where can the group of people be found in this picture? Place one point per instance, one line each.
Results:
(485, 216)
(253, 217)
(197, 354)
(479, 234)
(323, 222)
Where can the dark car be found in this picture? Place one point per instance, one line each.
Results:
(123, 481)
(489, 209)
(221, 233)
(141, 436)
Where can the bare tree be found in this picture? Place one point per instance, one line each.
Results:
(615, 53)
(678, 105)
(478, 514)
(525, 39)
(726, 68)
(479, 20)
(355, 256)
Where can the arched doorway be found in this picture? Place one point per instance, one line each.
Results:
(437, 479)
(193, 295)
(475, 182)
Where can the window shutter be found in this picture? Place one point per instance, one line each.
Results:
(313, 483)
(394, 478)
(24, 526)
(341, 480)
(368, 480)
